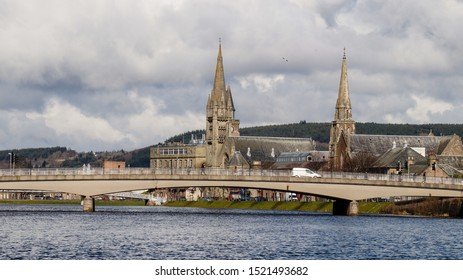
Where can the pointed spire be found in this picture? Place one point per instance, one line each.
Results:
(343, 95)
(219, 81)
(230, 103)
(343, 106)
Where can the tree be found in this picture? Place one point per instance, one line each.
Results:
(359, 162)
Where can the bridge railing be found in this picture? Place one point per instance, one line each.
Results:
(224, 172)
(392, 177)
(72, 171)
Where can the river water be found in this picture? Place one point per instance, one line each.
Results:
(64, 232)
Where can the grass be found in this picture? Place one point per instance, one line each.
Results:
(364, 207)
(317, 206)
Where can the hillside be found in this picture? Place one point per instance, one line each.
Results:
(61, 157)
(320, 132)
(55, 157)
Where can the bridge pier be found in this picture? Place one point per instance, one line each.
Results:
(345, 207)
(88, 203)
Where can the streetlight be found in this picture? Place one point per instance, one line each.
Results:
(10, 161)
(250, 160)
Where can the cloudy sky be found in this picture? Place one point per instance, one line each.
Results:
(109, 75)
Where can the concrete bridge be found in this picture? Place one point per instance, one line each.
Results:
(345, 188)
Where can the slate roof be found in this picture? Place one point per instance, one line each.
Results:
(379, 144)
(449, 170)
(238, 160)
(302, 156)
(261, 147)
(289, 160)
(455, 161)
(390, 159)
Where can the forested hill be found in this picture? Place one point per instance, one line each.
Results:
(55, 157)
(320, 132)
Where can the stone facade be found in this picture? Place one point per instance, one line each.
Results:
(178, 156)
(343, 125)
(109, 164)
(220, 119)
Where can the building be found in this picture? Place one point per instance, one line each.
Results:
(443, 154)
(314, 160)
(343, 125)
(222, 146)
(401, 160)
(220, 120)
(108, 164)
(178, 156)
(223, 141)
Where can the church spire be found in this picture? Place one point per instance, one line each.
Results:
(343, 126)
(219, 81)
(343, 102)
(220, 119)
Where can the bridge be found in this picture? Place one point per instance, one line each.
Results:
(345, 188)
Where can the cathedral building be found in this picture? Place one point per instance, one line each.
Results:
(222, 146)
(225, 147)
(442, 155)
(220, 119)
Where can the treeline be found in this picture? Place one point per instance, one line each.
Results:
(185, 137)
(320, 132)
(61, 157)
(32, 152)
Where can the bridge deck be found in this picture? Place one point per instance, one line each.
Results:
(349, 186)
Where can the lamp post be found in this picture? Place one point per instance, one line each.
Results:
(250, 160)
(11, 157)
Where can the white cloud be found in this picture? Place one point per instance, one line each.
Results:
(261, 83)
(426, 107)
(149, 123)
(77, 61)
(67, 121)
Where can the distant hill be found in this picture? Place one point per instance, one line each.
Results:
(62, 157)
(320, 132)
(55, 157)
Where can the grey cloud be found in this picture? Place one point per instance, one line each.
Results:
(142, 70)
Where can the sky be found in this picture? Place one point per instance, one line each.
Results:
(120, 74)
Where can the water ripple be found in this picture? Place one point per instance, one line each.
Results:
(65, 232)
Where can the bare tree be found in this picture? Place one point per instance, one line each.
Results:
(359, 162)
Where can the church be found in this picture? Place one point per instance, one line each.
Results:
(430, 155)
(222, 146)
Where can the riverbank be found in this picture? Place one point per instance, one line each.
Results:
(433, 207)
(126, 202)
(364, 207)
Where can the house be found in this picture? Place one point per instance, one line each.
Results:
(401, 160)
(314, 160)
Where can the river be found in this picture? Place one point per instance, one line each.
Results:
(64, 232)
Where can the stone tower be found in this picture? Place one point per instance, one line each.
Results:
(220, 119)
(343, 125)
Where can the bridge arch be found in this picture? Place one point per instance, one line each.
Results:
(351, 188)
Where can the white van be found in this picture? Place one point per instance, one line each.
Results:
(304, 172)
(291, 197)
